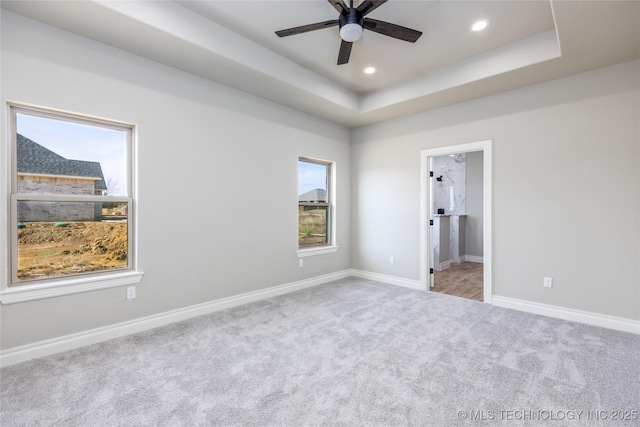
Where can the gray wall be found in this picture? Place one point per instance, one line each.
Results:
(473, 224)
(565, 157)
(203, 148)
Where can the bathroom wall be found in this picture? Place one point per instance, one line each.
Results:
(449, 193)
(473, 237)
(459, 192)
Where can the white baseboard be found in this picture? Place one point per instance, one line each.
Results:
(472, 258)
(68, 342)
(391, 280)
(590, 318)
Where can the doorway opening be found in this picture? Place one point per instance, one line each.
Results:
(443, 244)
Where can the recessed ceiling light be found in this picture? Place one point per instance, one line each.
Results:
(479, 25)
(370, 70)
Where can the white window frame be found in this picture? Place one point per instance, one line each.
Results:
(14, 291)
(332, 246)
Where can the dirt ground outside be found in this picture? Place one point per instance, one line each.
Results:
(312, 227)
(47, 249)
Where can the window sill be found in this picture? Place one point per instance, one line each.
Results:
(68, 286)
(303, 253)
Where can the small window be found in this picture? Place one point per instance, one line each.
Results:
(71, 196)
(314, 203)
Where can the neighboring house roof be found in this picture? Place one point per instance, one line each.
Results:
(34, 158)
(317, 195)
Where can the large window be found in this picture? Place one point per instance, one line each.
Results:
(71, 210)
(314, 203)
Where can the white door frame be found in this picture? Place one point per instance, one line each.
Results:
(425, 211)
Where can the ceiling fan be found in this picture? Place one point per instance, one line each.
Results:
(352, 23)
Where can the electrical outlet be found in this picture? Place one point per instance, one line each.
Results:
(548, 282)
(131, 292)
(301, 262)
(392, 260)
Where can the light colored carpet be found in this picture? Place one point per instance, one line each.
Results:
(348, 353)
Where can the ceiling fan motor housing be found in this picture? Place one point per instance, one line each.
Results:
(353, 17)
(351, 25)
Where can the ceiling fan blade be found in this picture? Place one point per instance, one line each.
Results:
(340, 6)
(307, 28)
(392, 30)
(369, 6)
(345, 52)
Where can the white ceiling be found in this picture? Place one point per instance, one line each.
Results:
(396, 60)
(234, 43)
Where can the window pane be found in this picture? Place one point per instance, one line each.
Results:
(61, 238)
(313, 225)
(313, 203)
(312, 182)
(313, 207)
(62, 157)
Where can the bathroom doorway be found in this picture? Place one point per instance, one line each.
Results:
(456, 220)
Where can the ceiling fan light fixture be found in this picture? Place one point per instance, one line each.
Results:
(370, 70)
(351, 32)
